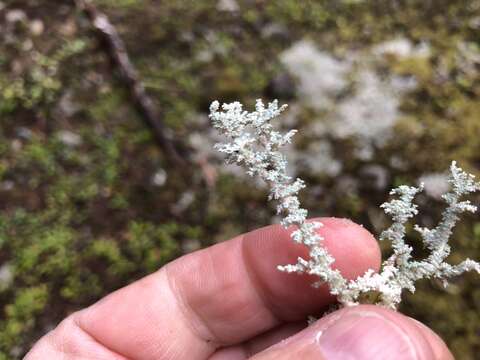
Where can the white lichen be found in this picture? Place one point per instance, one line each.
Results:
(321, 77)
(255, 145)
(367, 116)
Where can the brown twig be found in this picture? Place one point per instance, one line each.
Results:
(119, 56)
(145, 106)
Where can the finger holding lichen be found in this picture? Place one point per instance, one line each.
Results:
(255, 145)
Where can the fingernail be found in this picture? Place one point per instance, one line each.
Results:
(365, 336)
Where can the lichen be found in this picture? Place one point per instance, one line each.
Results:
(255, 145)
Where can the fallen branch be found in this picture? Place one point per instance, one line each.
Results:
(129, 75)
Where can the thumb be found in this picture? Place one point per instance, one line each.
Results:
(360, 333)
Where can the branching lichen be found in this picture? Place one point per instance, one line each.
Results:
(255, 145)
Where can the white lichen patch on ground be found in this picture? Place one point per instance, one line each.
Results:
(369, 114)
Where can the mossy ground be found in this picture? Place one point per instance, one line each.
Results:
(89, 202)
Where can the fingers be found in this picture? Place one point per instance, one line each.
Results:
(259, 343)
(222, 295)
(439, 348)
(362, 332)
(289, 296)
(69, 341)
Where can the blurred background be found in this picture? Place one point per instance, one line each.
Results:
(96, 191)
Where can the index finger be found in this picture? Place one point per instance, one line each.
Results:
(222, 295)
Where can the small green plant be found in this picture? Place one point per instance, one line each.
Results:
(41, 84)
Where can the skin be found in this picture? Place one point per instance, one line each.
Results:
(229, 302)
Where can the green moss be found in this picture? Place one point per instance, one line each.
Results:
(150, 244)
(20, 316)
(106, 104)
(121, 3)
(50, 256)
(40, 84)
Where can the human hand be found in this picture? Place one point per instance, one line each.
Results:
(229, 302)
